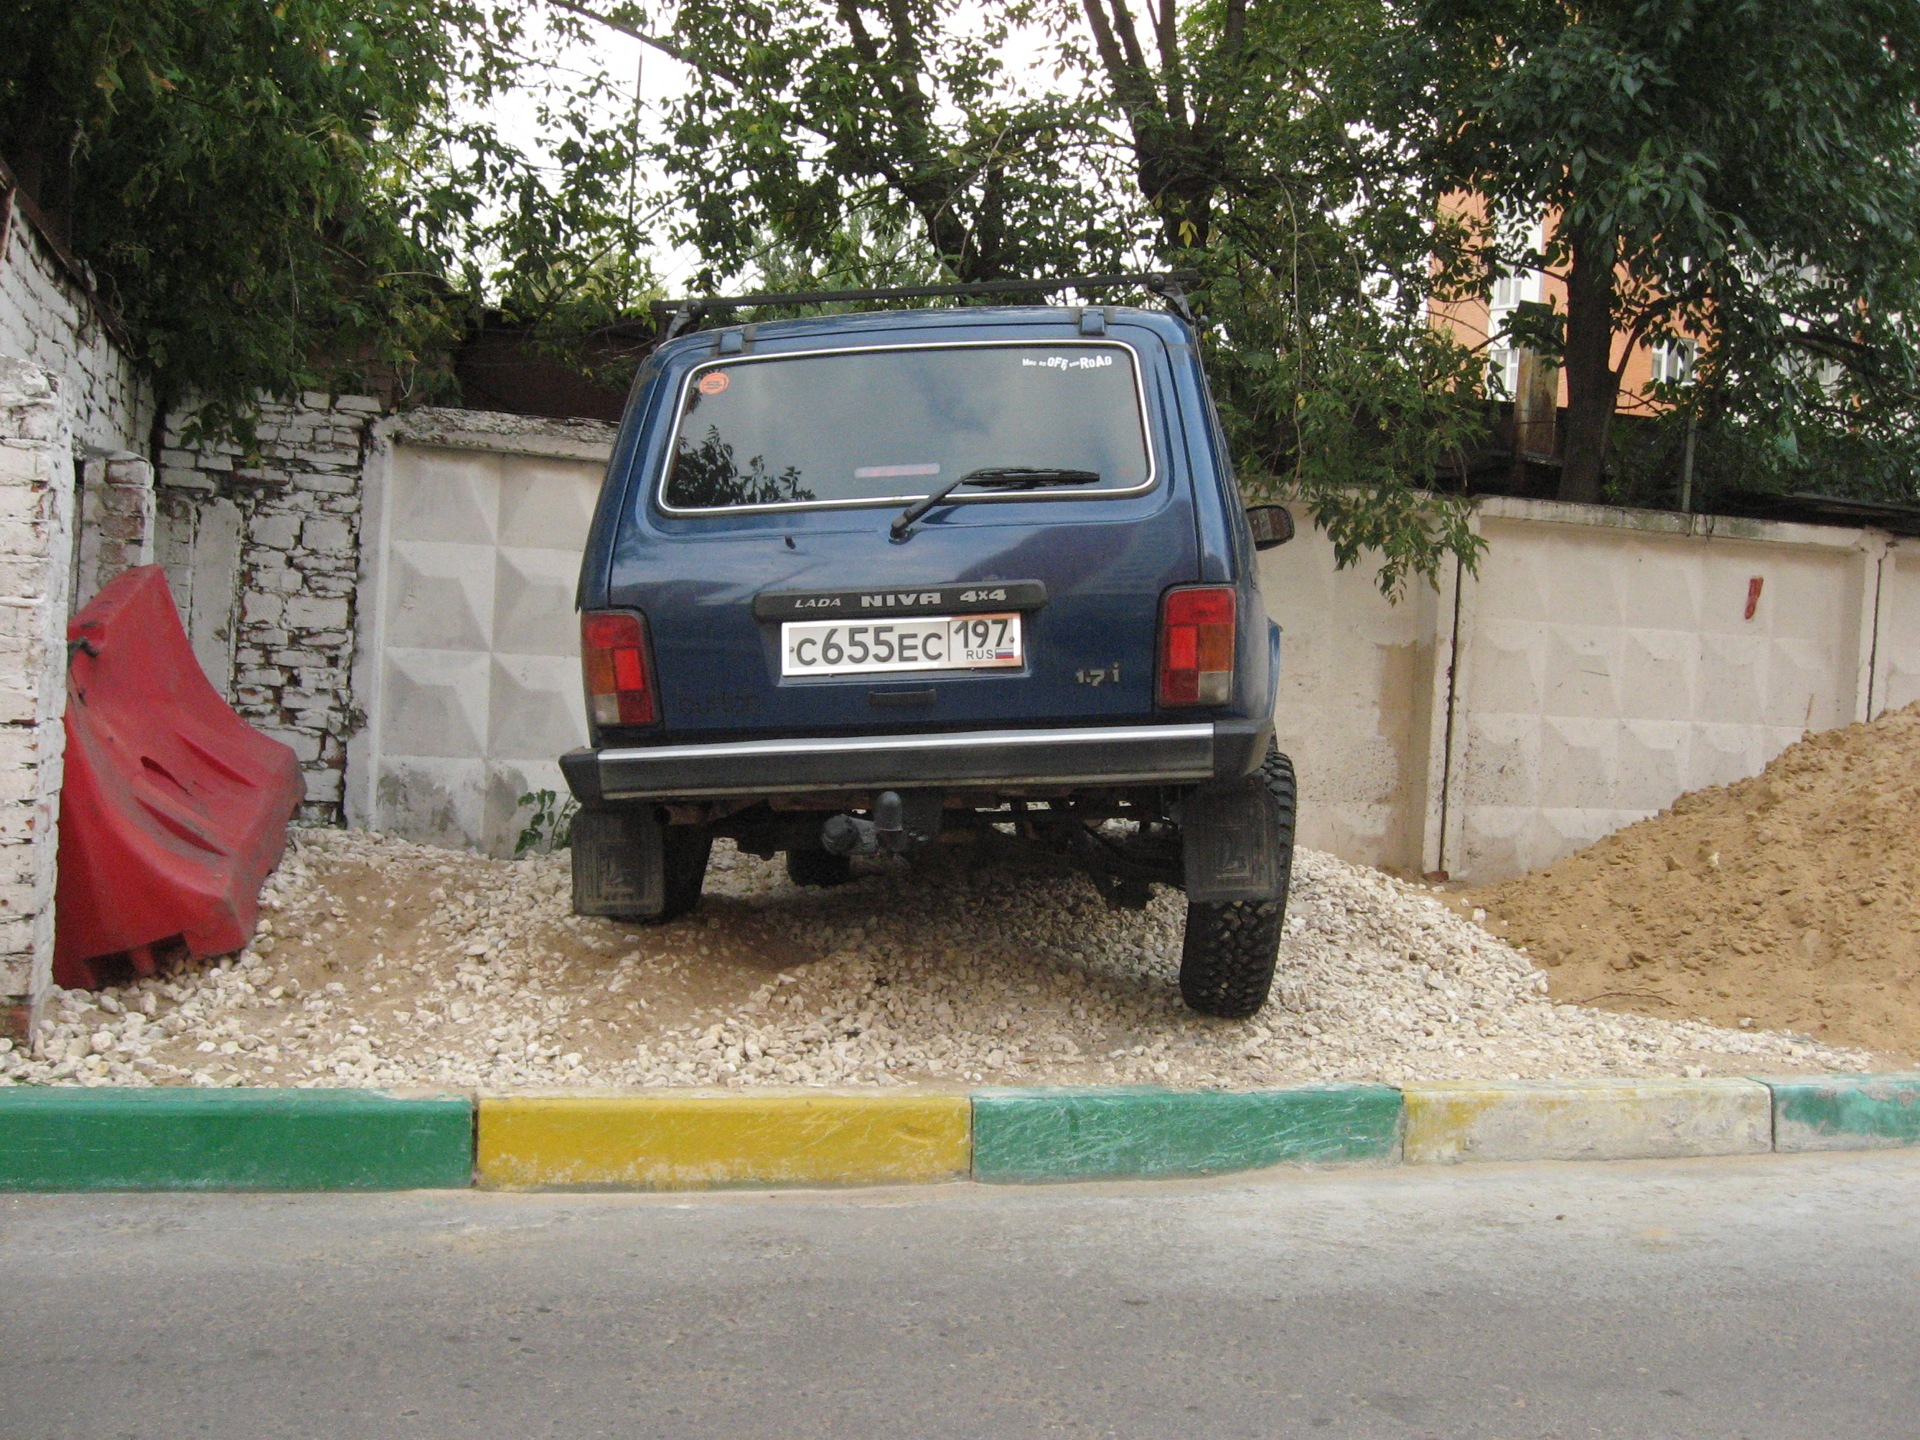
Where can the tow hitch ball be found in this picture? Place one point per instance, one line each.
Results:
(899, 825)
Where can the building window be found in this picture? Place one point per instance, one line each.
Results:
(1673, 361)
(1503, 357)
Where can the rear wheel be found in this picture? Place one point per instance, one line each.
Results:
(811, 865)
(1231, 947)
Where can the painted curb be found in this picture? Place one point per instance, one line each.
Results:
(1844, 1112)
(57, 1138)
(1452, 1121)
(1141, 1132)
(62, 1138)
(691, 1141)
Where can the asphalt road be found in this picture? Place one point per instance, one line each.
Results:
(1778, 1296)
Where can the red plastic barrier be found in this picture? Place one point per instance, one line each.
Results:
(173, 809)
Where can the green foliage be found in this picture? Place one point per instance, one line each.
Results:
(1230, 139)
(1731, 455)
(810, 120)
(1739, 170)
(279, 195)
(295, 195)
(220, 166)
(549, 827)
(867, 250)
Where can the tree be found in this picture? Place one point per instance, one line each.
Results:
(1224, 137)
(807, 118)
(1742, 171)
(282, 196)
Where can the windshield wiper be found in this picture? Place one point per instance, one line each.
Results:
(993, 477)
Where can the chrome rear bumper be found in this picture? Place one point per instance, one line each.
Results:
(1170, 754)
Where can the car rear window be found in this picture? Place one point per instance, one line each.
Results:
(893, 424)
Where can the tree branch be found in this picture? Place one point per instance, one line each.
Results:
(862, 42)
(1130, 39)
(1234, 33)
(1233, 41)
(1130, 84)
(1167, 37)
(665, 47)
(898, 85)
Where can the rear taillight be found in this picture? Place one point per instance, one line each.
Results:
(613, 652)
(1196, 646)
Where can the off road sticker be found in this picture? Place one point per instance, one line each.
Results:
(1068, 362)
(714, 382)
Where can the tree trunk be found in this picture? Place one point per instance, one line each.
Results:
(1593, 385)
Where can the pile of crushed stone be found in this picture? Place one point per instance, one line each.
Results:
(381, 962)
(1788, 900)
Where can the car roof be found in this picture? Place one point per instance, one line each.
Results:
(953, 318)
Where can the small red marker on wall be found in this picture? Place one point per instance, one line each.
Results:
(1753, 594)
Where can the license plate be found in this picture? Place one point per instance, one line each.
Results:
(926, 642)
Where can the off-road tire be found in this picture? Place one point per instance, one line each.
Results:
(684, 852)
(811, 865)
(1232, 946)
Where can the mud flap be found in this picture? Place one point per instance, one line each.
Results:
(619, 864)
(1231, 842)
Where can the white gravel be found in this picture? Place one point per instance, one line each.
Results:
(387, 963)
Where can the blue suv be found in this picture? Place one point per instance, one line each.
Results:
(858, 581)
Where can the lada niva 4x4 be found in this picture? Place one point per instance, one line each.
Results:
(861, 582)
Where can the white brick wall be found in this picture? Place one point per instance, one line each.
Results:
(263, 552)
(36, 527)
(116, 521)
(49, 320)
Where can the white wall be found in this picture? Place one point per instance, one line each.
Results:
(75, 415)
(469, 672)
(1600, 664)
(262, 553)
(1896, 669)
(1356, 704)
(115, 522)
(1605, 664)
(1608, 663)
(36, 526)
(50, 319)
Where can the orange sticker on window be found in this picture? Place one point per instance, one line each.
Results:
(713, 382)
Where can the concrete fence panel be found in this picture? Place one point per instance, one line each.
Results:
(1357, 702)
(469, 673)
(1610, 662)
(1896, 663)
(1601, 663)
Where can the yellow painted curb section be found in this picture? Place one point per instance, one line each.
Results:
(693, 1140)
(1586, 1120)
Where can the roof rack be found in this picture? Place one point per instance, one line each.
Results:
(1170, 285)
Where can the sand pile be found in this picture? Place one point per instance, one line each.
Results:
(1787, 901)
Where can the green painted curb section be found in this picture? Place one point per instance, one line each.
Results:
(58, 1138)
(1122, 1132)
(1845, 1112)
(1517, 1120)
